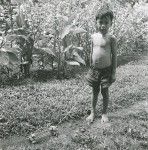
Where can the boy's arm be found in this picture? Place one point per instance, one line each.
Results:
(91, 50)
(114, 57)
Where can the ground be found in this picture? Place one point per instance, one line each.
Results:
(128, 114)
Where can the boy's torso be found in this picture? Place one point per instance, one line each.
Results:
(101, 54)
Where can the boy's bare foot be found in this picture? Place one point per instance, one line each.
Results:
(90, 118)
(104, 118)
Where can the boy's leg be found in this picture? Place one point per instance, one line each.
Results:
(95, 90)
(105, 94)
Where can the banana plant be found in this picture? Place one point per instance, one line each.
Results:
(72, 54)
(9, 54)
(69, 55)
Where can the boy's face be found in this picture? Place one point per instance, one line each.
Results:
(104, 24)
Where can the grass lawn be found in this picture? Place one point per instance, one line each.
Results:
(66, 103)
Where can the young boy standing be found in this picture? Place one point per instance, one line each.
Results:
(103, 62)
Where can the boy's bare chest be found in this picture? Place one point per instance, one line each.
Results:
(100, 41)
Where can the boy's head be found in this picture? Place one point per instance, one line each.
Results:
(103, 12)
(104, 19)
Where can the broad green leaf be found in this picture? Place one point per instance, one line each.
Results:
(78, 58)
(1, 8)
(4, 59)
(73, 47)
(79, 48)
(9, 55)
(9, 31)
(78, 30)
(1, 39)
(13, 58)
(20, 30)
(68, 48)
(73, 63)
(23, 36)
(20, 20)
(15, 36)
(47, 50)
(65, 31)
(10, 50)
(11, 37)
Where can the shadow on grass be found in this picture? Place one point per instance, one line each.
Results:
(35, 76)
(48, 75)
(125, 59)
(41, 76)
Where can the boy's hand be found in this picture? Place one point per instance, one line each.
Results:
(113, 78)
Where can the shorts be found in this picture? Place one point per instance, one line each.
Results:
(99, 77)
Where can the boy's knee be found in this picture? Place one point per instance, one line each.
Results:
(104, 91)
(96, 87)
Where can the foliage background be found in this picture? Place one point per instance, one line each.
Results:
(56, 25)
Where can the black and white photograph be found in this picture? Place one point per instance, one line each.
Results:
(73, 74)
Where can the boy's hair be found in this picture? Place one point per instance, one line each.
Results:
(103, 12)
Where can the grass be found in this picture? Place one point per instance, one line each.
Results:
(32, 105)
(38, 103)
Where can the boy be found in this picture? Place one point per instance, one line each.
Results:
(103, 62)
